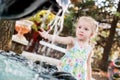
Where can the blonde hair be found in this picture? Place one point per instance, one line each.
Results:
(93, 23)
(90, 20)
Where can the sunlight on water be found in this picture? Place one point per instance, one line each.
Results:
(14, 70)
(17, 67)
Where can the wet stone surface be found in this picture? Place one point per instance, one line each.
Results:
(16, 67)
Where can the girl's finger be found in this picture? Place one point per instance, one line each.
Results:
(42, 30)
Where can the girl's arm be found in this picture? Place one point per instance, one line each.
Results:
(89, 74)
(56, 38)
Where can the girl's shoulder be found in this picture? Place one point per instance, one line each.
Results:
(72, 43)
(90, 48)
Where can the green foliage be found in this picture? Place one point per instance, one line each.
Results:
(69, 24)
(87, 4)
(117, 14)
(68, 21)
(42, 18)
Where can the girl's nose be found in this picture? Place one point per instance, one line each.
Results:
(81, 30)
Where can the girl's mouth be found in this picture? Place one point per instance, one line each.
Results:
(81, 35)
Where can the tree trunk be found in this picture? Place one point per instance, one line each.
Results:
(6, 32)
(109, 42)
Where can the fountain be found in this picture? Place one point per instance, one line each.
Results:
(22, 27)
(13, 9)
(11, 71)
(21, 66)
(12, 67)
(56, 25)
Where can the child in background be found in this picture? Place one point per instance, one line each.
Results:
(77, 59)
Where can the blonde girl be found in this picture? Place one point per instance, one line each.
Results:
(77, 59)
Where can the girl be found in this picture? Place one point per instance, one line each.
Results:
(79, 50)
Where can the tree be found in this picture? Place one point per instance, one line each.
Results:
(110, 41)
(6, 31)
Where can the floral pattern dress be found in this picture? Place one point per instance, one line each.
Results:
(75, 61)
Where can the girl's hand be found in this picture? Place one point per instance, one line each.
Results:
(43, 33)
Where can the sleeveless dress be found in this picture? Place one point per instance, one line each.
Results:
(75, 61)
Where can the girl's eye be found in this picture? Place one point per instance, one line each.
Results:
(79, 27)
(86, 29)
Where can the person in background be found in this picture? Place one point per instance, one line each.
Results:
(77, 59)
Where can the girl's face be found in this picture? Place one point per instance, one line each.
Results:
(83, 30)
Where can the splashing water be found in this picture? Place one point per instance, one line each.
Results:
(59, 20)
(13, 70)
(63, 3)
(57, 23)
(17, 67)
